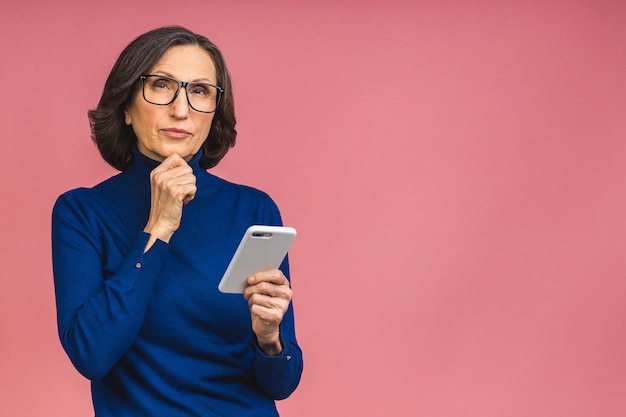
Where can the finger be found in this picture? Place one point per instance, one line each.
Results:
(190, 193)
(173, 178)
(268, 289)
(180, 173)
(173, 161)
(260, 303)
(274, 276)
(173, 184)
(171, 167)
(177, 187)
(268, 316)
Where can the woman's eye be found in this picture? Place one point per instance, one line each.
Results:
(160, 84)
(200, 90)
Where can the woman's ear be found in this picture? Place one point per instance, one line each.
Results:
(127, 118)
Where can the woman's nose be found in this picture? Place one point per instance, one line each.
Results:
(180, 107)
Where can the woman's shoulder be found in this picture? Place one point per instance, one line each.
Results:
(86, 196)
(239, 190)
(241, 197)
(76, 195)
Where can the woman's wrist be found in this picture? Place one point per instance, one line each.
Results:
(156, 233)
(271, 346)
(163, 233)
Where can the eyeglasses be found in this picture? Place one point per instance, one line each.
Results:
(163, 90)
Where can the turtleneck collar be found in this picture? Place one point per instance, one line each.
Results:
(142, 162)
(138, 173)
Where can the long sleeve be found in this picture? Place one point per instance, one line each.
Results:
(278, 376)
(98, 319)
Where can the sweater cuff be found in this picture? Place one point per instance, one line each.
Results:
(146, 265)
(158, 250)
(278, 376)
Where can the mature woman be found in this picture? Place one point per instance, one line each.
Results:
(138, 257)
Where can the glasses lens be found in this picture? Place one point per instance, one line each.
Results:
(159, 90)
(203, 97)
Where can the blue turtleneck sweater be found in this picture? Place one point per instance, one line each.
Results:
(151, 331)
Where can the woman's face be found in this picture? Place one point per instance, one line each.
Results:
(176, 128)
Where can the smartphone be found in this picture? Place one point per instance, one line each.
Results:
(261, 248)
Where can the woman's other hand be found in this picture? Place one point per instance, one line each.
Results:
(172, 186)
(268, 294)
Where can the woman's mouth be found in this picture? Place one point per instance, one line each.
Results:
(176, 133)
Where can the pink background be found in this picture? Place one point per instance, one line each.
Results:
(456, 171)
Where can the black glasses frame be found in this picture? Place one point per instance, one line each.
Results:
(181, 84)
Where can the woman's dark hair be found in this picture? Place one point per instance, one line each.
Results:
(108, 128)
